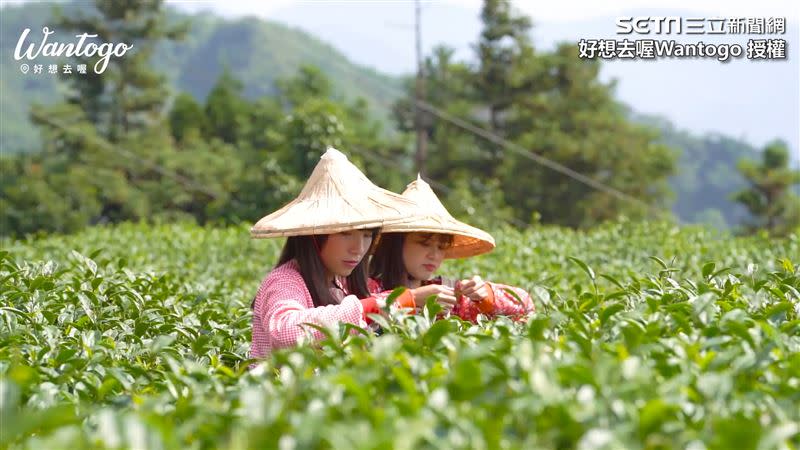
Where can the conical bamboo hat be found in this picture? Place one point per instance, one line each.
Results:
(433, 217)
(337, 197)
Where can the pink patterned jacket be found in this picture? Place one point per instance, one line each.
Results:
(283, 304)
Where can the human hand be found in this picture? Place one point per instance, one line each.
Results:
(444, 295)
(473, 288)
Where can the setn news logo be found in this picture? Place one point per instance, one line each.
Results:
(655, 47)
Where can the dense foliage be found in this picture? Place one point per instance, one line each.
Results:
(646, 335)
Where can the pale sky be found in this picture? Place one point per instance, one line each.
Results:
(560, 10)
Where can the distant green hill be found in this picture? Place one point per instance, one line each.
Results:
(706, 175)
(258, 53)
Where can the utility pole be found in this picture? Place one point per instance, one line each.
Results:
(419, 96)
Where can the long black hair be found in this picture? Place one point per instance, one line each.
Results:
(305, 250)
(387, 265)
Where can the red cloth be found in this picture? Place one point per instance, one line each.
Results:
(499, 302)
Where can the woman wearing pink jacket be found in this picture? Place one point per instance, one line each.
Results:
(320, 277)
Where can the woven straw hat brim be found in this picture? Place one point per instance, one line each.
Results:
(467, 240)
(433, 217)
(337, 197)
(275, 229)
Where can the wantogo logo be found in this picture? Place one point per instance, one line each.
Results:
(104, 51)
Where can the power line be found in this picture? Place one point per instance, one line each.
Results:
(443, 188)
(492, 137)
(461, 123)
(504, 144)
(102, 142)
(397, 164)
(191, 184)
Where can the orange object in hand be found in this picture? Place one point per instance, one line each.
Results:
(486, 305)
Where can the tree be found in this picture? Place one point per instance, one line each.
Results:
(33, 200)
(186, 115)
(770, 198)
(317, 119)
(505, 56)
(452, 153)
(226, 110)
(502, 47)
(310, 129)
(100, 135)
(570, 117)
(128, 94)
(309, 83)
(548, 104)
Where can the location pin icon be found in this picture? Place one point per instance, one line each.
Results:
(24, 68)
